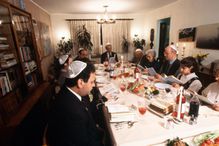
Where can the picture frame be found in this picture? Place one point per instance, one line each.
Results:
(187, 34)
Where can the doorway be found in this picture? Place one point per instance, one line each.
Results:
(163, 34)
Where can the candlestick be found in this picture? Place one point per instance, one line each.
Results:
(180, 103)
(183, 52)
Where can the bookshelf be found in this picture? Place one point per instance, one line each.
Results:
(20, 72)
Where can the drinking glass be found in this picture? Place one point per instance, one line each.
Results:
(142, 109)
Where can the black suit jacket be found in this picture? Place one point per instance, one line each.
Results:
(70, 122)
(104, 57)
(172, 69)
(145, 63)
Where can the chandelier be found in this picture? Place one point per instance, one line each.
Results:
(105, 19)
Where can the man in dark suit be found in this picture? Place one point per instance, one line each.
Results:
(70, 121)
(171, 65)
(108, 55)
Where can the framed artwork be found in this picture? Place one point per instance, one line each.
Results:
(187, 34)
(45, 39)
(208, 36)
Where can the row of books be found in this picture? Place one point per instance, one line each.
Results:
(7, 59)
(29, 67)
(25, 53)
(3, 43)
(7, 81)
(21, 23)
(31, 80)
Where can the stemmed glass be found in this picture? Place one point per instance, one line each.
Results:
(142, 108)
(122, 85)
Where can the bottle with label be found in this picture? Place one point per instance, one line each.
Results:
(136, 73)
(194, 108)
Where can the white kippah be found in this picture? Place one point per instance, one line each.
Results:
(75, 68)
(63, 59)
(80, 49)
(107, 44)
(138, 50)
(174, 48)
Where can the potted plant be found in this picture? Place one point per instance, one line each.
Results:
(84, 38)
(125, 44)
(64, 47)
(139, 43)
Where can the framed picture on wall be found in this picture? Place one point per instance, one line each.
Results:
(208, 36)
(187, 34)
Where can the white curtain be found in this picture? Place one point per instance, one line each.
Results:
(92, 27)
(111, 33)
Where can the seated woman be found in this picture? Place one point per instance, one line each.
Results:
(212, 92)
(149, 60)
(64, 62)
(188, 69)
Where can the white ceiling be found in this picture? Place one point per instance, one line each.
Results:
(96, 6)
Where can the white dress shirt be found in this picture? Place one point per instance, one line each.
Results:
(77, 95)
(196, 85)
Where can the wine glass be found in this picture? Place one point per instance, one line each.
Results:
(142, 108)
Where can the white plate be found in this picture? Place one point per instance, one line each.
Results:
(162, 85)
(99, 72)
(101, 80)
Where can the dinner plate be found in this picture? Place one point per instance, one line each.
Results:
(99, 72)
(101, 80)
(162, 85)
(209, 135)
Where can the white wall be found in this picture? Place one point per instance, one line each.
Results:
(184, 14)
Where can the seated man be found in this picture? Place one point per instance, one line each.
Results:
(82, 53)
(212, 92)
(149, 60)
(70, 120)
(171, 65)
(106, 56)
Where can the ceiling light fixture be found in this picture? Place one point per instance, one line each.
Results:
(105, 19)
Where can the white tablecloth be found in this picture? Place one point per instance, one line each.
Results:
(150, 129)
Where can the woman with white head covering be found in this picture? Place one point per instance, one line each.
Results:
(70, 121)
(137, 56)
(64, 62)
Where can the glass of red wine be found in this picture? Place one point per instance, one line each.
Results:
(142, 108)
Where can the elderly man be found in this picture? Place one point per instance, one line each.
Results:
(171, 65)
(108, 55)
(70, 120)
(149, 60)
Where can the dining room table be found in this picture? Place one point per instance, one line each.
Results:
(152, 127)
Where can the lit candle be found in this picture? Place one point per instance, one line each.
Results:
(177, 45)
(184, 45)
(122, 57)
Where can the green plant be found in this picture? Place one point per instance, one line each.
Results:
(125, 44)
(64, 47)
(84, 38)
(139, 43)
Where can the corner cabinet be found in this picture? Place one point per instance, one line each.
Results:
(20, 72)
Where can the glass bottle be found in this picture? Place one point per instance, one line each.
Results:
(194, 108)
(136, 73)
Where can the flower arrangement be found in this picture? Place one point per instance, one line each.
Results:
(139, 43)
(201, 57)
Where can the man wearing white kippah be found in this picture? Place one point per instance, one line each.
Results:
(70, 122)
(109, 54)
(171, 65)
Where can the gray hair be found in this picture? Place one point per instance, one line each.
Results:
(152, 51)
